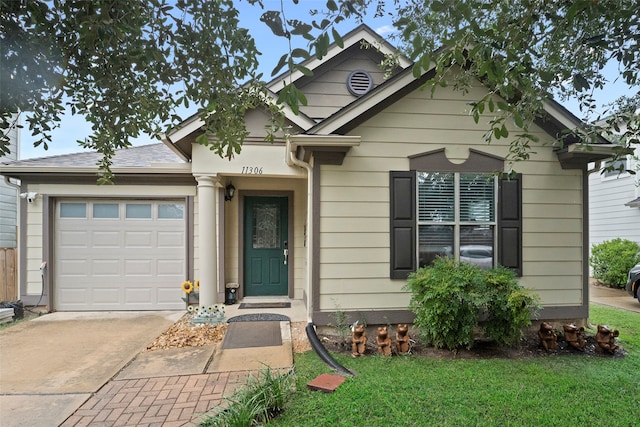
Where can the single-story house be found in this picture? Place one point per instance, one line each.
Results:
(376, 178)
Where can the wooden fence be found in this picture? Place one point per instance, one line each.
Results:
(8, 274)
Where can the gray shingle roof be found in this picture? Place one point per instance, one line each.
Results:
(141, 156)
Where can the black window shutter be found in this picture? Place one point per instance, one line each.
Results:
(510, 223)
(402, 187)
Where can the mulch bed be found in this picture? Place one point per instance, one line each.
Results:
(186, 334)
(482, 349)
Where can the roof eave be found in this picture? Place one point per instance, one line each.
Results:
(17, 171)
(177, 149)
(329, 149)
(577, 156)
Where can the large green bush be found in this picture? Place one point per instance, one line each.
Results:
(611, 261)
(510, 307)
(449, 298)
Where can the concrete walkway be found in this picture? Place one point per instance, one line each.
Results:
(177, 387)
(157, 388)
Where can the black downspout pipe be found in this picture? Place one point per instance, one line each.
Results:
(323, 353)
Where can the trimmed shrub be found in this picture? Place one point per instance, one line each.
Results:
(510, 307)
(448, 298)
(611, 261)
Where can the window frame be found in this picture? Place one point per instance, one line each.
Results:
(457, 223)
(615, 173)
(403, 223)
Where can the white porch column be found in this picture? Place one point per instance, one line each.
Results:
(207, 239)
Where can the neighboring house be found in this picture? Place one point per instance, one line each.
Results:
(376, 178)
(8, 193)
(614, 202)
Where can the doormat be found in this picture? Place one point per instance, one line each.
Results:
(259, 317)
(245, 305)
(252, 334)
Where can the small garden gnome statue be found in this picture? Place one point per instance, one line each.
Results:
(402, 338)
(383, 340)
(574, 336)
(548, 338)
(358, 340)
(606, 339)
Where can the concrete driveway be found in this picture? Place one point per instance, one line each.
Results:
(618, 298)
(50, 365)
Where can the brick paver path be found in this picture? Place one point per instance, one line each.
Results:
(164, 401)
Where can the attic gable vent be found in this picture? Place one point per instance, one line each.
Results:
(359, 82)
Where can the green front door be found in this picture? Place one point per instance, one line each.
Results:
(266, 248)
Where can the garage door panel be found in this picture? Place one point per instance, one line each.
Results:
(72, 267)
(138, 239)
(139, 296)
(170, 239)
(74, 296)
(170, 267)
(119, 263)
(106, 239)
(106, 267)
(105, 296)
(138, 267)
(73, 239)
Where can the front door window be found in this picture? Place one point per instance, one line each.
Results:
(266, 226)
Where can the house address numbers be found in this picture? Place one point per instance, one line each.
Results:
(251, 170)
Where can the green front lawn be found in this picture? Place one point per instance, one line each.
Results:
(416, 391)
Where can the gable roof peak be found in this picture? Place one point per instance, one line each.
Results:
(353, 37)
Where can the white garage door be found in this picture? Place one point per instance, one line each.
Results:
(119, 255)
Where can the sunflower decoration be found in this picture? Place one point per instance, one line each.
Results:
(187, 287)
(196, 285)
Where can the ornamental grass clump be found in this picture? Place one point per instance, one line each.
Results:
(263, 398)
(450, 299)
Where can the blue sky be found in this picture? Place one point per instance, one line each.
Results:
(74, 128)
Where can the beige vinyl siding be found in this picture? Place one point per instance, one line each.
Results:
(354, 223)
(32, 250)
(327, 92)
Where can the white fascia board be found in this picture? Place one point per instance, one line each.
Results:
(195, 123)
(302, 120)
(167, 141)
(374, 39)
(568, 121)
(602, 149)
(186, 129)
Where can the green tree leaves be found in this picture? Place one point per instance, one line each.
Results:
(126, 66)
(524, 51)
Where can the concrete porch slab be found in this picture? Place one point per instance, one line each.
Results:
(170, 362)
(256, 358)
(253, 359)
